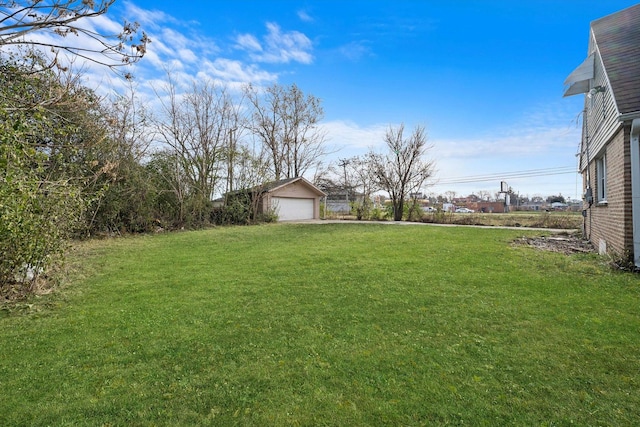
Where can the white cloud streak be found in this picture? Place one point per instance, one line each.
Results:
(277, 46)
(350, 137)
(248, 42)
(304, 16)
(355, 51)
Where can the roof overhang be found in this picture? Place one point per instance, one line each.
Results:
(629, 116)
(312, 187)
(579, 80)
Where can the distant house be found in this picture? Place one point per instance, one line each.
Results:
(533, 206)
(609, 78)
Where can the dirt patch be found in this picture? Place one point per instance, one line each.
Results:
(17, 291)
(563, 243)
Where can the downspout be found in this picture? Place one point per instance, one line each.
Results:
(635, 188)
(588, 195)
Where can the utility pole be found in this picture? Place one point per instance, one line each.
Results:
(343, 163)
(231, 153)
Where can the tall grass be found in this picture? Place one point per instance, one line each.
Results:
(558, 220)
(331, 324)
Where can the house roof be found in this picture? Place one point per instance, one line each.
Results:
(272, 186)
(617, 37)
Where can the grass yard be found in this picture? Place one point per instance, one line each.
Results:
(330, 324)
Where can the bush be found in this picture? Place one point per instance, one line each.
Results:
(270, 216)
(36, 217)
(378, 214)
(234, 212)
(413, 211)
(438, 217)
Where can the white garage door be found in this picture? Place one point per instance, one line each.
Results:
(292, 209)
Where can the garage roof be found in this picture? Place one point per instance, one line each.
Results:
(275, 185)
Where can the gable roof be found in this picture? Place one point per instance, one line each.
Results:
(617, 37)
(272, 186)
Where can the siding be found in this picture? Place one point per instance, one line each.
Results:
(601, 115)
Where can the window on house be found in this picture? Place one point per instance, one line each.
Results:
(601, 179)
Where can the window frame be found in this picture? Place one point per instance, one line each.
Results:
(601, 179)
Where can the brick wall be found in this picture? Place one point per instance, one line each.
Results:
(610, 225)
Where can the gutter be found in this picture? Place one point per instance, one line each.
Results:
(635, 187)
(629, 116)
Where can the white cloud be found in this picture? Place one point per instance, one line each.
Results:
(355, 51)
(248, 42)
(149, 19)
(304, 16)
(236, 71)
(170, 43)
(526, 142)
(352, 138)
(178, 46)
(187, 55)
(104, 25)
(278, 46)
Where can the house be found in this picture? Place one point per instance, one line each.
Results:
(609, 78)
(292, 199)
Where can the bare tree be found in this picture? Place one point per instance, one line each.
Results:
(304, 140)
(403, 170)
(197, 126)
(287, 123)
(235, 152)
(484, 195)
(253, 172)
(266, 123)
(450, 195)
(126, 188)
(359, 174)
(129, 120)
(21, 21)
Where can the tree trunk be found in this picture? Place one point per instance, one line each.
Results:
(398, 208)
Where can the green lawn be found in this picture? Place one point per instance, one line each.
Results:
(330, 324)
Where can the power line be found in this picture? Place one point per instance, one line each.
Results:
(532, 173)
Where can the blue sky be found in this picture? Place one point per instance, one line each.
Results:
(484, 77)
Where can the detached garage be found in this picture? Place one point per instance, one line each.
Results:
(292, 199)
